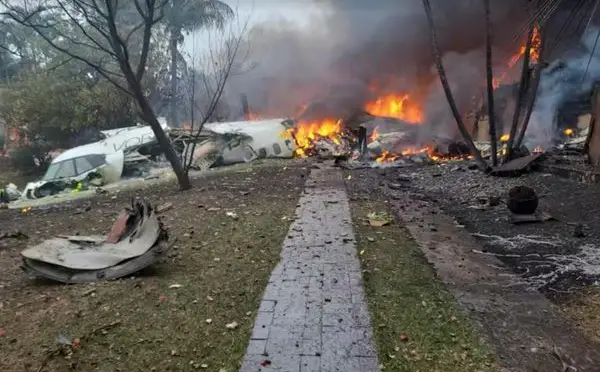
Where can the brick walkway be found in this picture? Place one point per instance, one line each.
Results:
(313, 316)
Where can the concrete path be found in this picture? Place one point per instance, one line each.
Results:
(313, 316)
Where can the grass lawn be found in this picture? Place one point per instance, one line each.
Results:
(583, 309)
(416, 322)
(172, 317)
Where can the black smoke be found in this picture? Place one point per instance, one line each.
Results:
(385, 43)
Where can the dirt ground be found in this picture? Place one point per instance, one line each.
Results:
(220, 266)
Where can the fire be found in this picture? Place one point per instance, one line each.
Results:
(253, 116)
(568, 132)
(386, 157)
(305, 134)
(395, 106)
(534, 55)
(497, 81)
(375, 135)
(534, 52)
(505, 138)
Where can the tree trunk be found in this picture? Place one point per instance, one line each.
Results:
(523, 86)
(490, 85)
(161, 137)
(173, 44)
(537, 75)
(440, 67)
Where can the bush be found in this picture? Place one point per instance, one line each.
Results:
(32, 159)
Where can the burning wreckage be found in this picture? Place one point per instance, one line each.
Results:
(133, 152)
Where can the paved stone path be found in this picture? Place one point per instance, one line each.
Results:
(313, 316)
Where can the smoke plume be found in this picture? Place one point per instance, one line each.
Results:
(569, 77)
(361, 49)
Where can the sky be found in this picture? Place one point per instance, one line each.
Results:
(300, 12)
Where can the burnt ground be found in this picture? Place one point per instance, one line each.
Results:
(550, 255)
(496, 269)
(219, 265)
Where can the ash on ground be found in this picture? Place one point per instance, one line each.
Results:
(555, 256)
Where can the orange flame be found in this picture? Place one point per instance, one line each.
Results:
(386, 157)
(534, 52)
(375, 135)
(305, 134)
(395, 106)
(427, 150)
(534, 55)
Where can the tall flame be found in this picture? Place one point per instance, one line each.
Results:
(534, 56)
(306, 133)
(534, 51)
(395, 106)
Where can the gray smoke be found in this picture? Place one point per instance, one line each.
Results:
(385, 43)
(565, 79)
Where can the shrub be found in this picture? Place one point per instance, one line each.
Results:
(31, 159)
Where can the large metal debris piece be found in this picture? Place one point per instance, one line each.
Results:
(137, 240)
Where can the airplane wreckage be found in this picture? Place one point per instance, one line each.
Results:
(132, 151)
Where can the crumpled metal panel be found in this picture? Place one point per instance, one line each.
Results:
(71, 259)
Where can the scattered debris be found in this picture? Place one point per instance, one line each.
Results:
(89, 292)
(578, 231)
(265, 363)
(379, 219)
(62, 340)
(84, 259)
(520, 219)
(522, 200)
(518, 166)
(232, 325)
(175, 286)
(164, 207)
(17, 234)
(232, 215)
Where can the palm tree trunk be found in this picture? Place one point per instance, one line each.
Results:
(173, 44)
(440, 67)
(490, 85)
(523, 86)
(537, 75)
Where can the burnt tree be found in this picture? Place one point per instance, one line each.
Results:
(533, 91)
(113, 38)
(444, 80)
(523, 87)
(490, 84)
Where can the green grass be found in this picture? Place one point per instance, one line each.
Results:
(417, 324)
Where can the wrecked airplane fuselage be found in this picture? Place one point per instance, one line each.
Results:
(123, 149)
(102, 161)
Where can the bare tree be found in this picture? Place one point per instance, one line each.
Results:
(221, 61)
(440, 67)
(112, 37)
